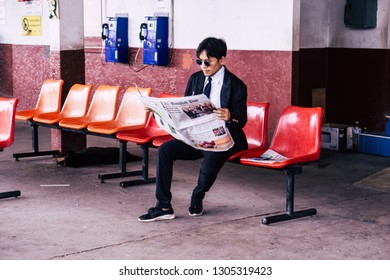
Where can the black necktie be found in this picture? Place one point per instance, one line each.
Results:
(207, 88)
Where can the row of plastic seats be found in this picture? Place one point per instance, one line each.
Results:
(98, 117)
(131, 123)
(297, 136)
(102, 116)
(79, 114)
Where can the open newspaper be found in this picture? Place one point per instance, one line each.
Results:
(269, 156)
(192, 120)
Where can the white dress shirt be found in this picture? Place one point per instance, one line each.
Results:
(216, 86)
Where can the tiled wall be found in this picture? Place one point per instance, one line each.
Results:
(266, 73)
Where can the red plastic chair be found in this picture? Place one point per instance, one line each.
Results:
(144, 138)
(161, 140)
(255, 129)
(298, 138)
(7, 129)
(49, 100)
(7, 120)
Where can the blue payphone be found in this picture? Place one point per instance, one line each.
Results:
(155, 40)
(114, 34)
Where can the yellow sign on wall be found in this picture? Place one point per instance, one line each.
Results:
(31, 26)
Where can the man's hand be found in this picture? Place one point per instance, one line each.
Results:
(223, 114)
(148, 109)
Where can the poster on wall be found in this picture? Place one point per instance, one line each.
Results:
(2, 11)
(163, 7)
(53, 9)
(31, 26)
(31, 7)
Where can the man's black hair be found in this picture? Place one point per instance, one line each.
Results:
(214, 47)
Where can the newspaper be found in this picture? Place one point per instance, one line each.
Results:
(269, 156)
(192, 120)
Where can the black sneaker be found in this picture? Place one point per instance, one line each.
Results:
(157, 214)
(196, 208)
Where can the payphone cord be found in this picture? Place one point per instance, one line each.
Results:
(102, 58)
(136, 57)
(104, 36)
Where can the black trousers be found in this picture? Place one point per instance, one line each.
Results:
(177, 150)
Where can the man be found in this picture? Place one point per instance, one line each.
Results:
(229, 94)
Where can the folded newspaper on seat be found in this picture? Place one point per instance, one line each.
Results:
(192, 120)
(269, 156)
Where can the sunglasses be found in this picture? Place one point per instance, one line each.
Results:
(206, 62)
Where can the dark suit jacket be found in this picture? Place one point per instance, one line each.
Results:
(233, 97)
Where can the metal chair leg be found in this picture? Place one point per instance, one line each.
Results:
(122, 166)
(290, 214)
(144, 171)
(35, 146)
(9, 194)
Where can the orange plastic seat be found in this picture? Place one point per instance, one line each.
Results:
(167, 95)
(49, 100)
(157, 142)
(297, 137)
(7, 131)
(131, 114)
(148, 133)
(142, 137)
(102, 108)
(75, 105)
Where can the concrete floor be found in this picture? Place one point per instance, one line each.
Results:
(88, 220)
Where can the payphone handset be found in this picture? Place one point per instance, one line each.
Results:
(143, 31)
(110, 34)
(104, 31)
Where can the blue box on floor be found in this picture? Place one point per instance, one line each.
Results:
(377, 143)
(387, 127)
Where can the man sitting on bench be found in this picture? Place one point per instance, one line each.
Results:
(229, 94)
